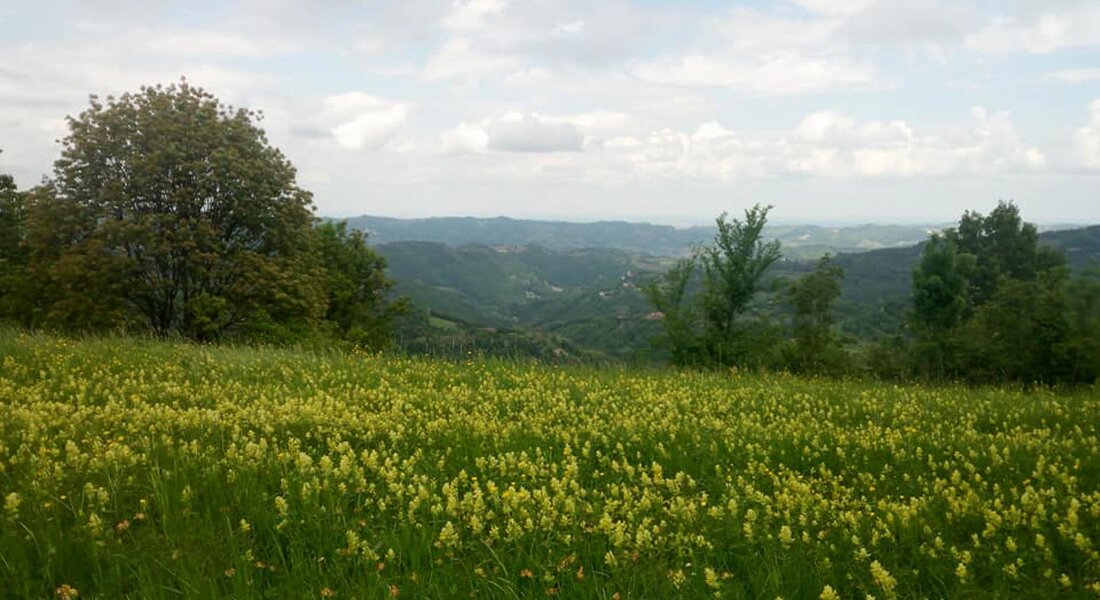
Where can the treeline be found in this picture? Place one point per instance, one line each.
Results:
(989, 304)
(169, 213)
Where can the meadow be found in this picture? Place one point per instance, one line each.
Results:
(152, 469)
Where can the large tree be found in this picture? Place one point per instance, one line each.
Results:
(181, 202)
(732, 266)
(941, 302)
(991, 304)
(1003, 247)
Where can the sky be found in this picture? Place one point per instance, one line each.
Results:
(832, 111)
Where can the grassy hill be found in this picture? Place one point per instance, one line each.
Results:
(143, 469)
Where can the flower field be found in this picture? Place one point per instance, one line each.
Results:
(156, 470)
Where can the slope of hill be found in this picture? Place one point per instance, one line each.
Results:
(587, 296)
(486, 284)
(1081, 245)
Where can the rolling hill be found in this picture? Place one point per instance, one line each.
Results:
(590, 298)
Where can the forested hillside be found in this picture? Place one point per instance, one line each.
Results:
(587, 296)
(591, 297)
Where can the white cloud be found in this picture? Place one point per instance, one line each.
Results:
(748, 30)
(362, 121)
(460, 58)
(832, 145)
(196, 42)
(1049, 32)
(1088, 138)
(530, 133)
(771, 74)
(765, 54)
(1074, 76)
(570, 28)
(834, 7)
(471, 15)
(516, 132)
(617, 99)
(596, 122)
(826, 145)
(915, 23)
(466, 138)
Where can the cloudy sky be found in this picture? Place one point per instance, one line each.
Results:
(832, 110)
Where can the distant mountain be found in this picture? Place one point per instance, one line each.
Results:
(799, 241)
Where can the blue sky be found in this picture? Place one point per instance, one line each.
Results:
(832, 110)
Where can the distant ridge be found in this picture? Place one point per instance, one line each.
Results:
(799, 241)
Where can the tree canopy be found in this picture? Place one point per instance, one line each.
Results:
(707, 327)
(991, 304)
(169, 211)
(815, 347)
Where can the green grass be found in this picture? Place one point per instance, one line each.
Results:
(439, 323)
(145, 469)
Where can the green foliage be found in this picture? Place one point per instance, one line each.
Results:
(11, 218)
(1015, 335)
(732, 267)
(357, 287)
(1080, 350)
(941, 298)
(710, 328)
(680, 329)
(74, 282)
(14, 295)
(815, 347)
(425, 332)
(1003, 247)
(799, 241)
(940, 302)
(991, 304)
(888, 358)
(590, 296)
(595, 298)
(170, 212)
(186, 206)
